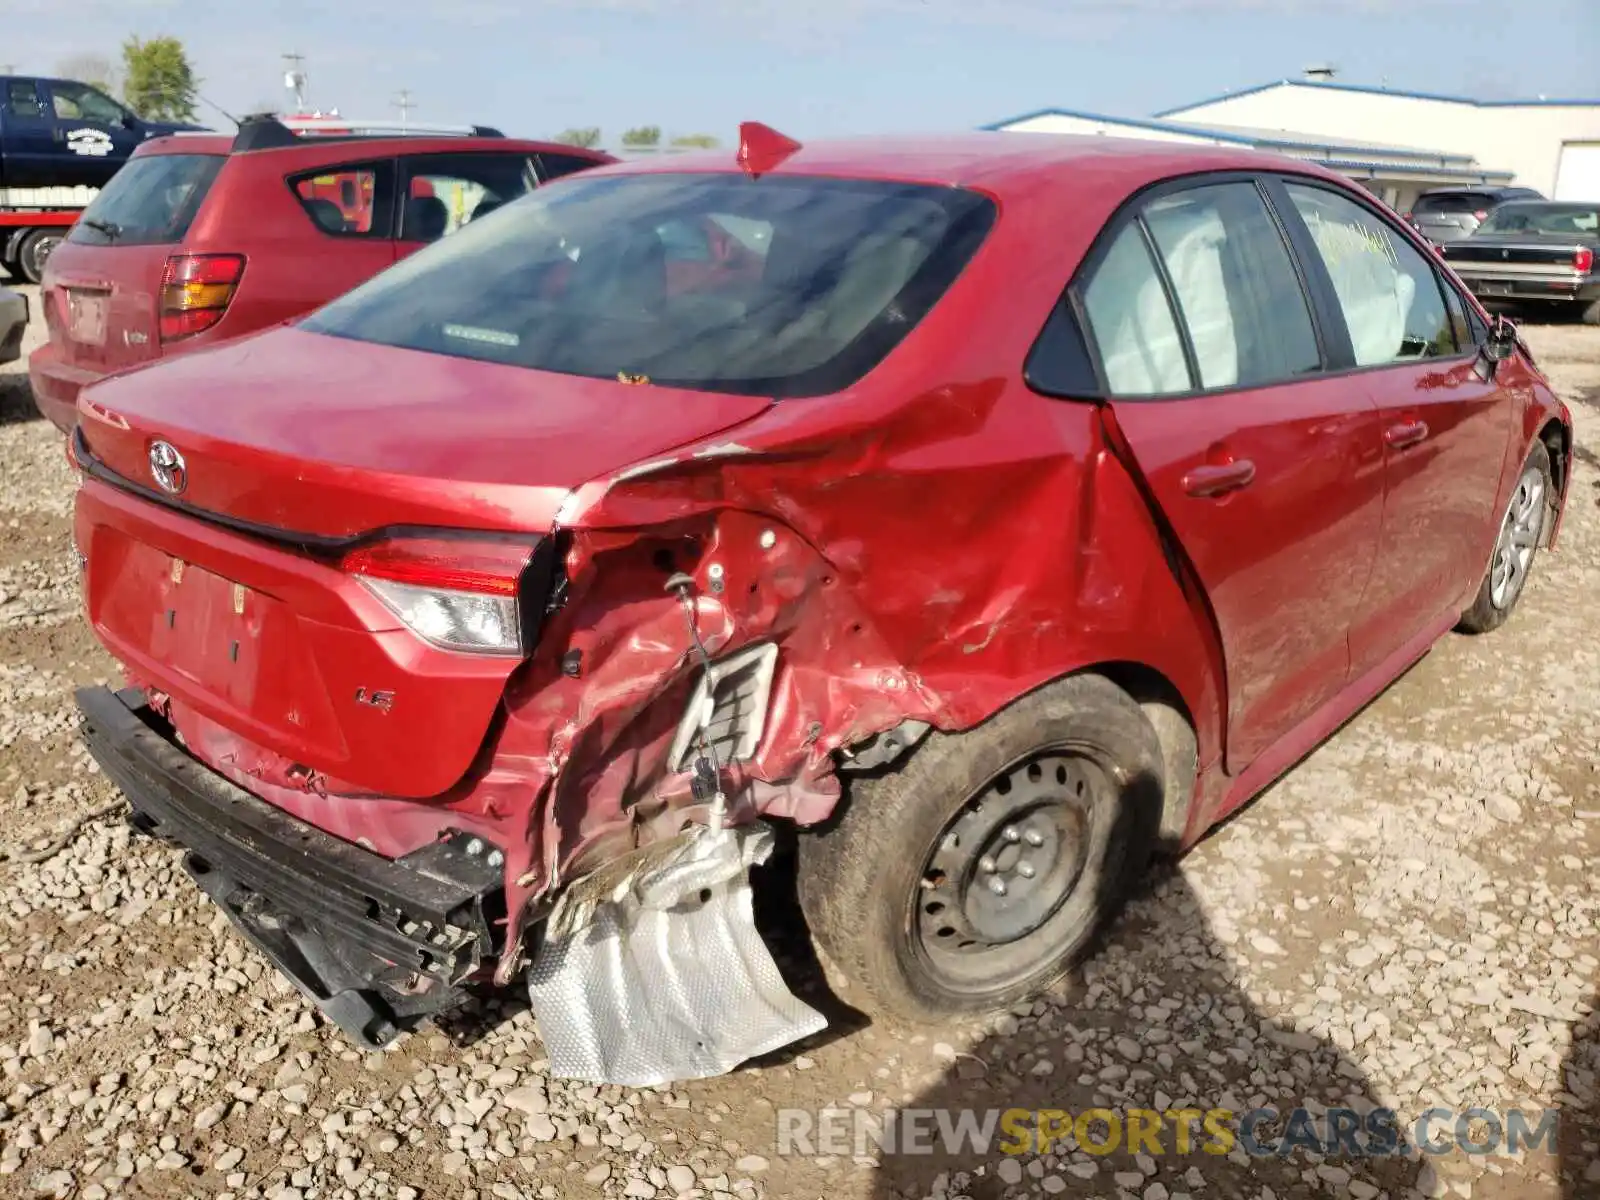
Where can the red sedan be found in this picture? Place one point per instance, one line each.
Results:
(991, 511)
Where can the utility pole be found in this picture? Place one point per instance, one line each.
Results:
(405, 104)
(295, 79)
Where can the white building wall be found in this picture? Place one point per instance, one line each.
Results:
(1525, 139)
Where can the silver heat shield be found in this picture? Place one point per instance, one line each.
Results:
(651, 969)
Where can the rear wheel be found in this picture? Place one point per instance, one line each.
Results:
(1591, 313)
(977, 873)
(35, 251)
(1532, 505)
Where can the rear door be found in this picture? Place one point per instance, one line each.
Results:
(27, 144)
(104, 282)
(1268, 473)
(1446, 429)
(93, 134)
(440, 193)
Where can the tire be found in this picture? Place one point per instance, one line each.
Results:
(898, 892)
(1522, 530)
(35, 251)
(1591, 313)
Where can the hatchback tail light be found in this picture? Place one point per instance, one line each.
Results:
(1481, 214)
(196, 290)
(458, 593)
(1583, 260)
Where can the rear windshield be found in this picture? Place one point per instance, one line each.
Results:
(1553, 220)
(150, 201)
(1452, 202)
(781, 287)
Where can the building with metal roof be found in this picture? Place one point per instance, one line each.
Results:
(1396, 143)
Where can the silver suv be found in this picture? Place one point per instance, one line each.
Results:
(1450, 214)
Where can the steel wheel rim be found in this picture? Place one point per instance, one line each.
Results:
(1519, 537)
(1007, 866)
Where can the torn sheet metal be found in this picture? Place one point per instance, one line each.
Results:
(652, 969)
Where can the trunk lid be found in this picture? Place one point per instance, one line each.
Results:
(328, 437)
(104, 301)
(1520, 249)
(284, 652)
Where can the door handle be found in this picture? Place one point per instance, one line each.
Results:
(1406, 434)
(1216, 479)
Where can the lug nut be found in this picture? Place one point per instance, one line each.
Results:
(997, 885)
(987, 864)
(474, 847)
(768, 539)
(1010, 834)
(1034, 837)
(1025, 869)
(496, 859)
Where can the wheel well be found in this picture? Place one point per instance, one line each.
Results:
(1557, 439)
(1174, 725)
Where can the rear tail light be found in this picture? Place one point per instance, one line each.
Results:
(196, 290)
(458, 593)
(1481, 214)
(1583, 260)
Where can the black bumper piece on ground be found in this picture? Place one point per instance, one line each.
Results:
(376, 943)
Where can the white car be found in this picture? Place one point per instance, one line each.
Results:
(13, 320)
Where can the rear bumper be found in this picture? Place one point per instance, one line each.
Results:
(13, 323)
(376, 943)
(1489, 285)
(56, 385)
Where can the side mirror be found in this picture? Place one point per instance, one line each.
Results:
(1502, 340)
(1500, 345)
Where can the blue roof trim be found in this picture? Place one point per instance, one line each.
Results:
(1234, 139)
(1368, 89)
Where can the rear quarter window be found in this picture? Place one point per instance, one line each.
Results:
(150, 201)
(348, 200)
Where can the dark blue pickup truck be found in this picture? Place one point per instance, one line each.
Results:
(60, 141)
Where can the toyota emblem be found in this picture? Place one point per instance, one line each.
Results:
(167, 468)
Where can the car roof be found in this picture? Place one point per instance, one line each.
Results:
(987, 160)
(341, 148)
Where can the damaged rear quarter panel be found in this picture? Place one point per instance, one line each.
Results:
(929, 546)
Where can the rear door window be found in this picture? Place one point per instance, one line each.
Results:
(150, 201)
(443, 192)
(348, 200)
(1240, 309)
(22, 99)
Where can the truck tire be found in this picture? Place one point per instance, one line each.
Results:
(1591, 313)
(35, 251)
(975, 873)
(1516, 546)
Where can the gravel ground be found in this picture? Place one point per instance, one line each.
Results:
(1408, 919)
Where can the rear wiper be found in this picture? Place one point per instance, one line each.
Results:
(110, 228)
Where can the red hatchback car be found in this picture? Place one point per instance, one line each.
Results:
(1036, 503)
(201, 238)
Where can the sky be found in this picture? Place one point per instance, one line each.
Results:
(812, 68)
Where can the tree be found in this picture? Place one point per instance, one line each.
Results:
(696, 141)
(643, 135)
(95, 69)
(160, 82)
(588, 137)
